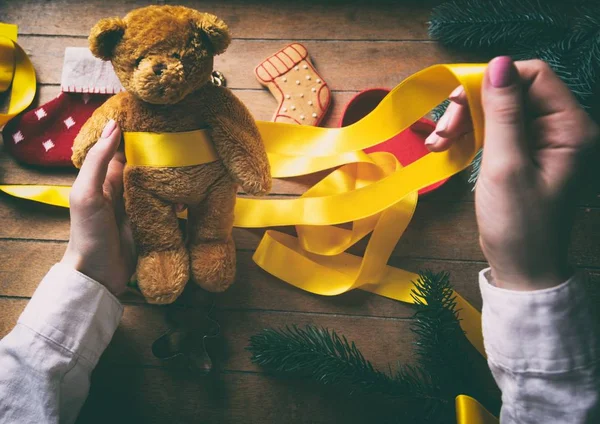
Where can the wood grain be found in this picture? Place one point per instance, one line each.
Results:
(124, 395)
(355, 45)
(439, 230)
(332, 20)
(383, 340)
(23, 263)
(343, 65)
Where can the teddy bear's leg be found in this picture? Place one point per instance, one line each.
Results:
(163, 266)
(211, 246)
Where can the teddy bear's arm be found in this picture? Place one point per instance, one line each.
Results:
(90, 131)
(239, 144)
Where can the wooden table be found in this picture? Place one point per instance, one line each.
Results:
(355, 45)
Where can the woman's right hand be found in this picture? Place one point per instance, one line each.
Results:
(536, 140)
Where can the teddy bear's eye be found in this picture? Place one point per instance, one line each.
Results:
(138, 60)
(176, 56)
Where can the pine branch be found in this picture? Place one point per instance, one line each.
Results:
(441, 347)
(439, 110)
(476, 168)
(427, 391)
(322, 355)
(566, 35)
(476, 24)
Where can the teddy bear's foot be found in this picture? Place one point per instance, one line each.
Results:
(162, 275)
(213, 265)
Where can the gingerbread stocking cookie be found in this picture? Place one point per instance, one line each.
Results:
(302, 95)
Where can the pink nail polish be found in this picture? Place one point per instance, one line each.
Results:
(502, 71)
(456, 93)
(432, 139)
(109, 128)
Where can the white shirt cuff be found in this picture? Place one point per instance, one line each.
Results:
(73, 311)
(550, 330)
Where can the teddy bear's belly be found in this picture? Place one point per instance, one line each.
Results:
(188, 185)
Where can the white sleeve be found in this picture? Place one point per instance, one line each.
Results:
(47, 359)
(542, 348)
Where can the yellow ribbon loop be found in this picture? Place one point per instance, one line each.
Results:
(469, 411)
(15, 68)
(373, 191)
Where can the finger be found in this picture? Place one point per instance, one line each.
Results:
(94, 168)
(546, 94)
(435, 143)
(113, 184)
(455, 123)
(502, 100)
(459, 96)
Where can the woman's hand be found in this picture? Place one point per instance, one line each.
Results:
(536, 139)
(101, 245)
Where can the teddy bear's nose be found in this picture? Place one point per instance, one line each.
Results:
(158, 68)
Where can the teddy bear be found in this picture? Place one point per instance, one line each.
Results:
(163, 56)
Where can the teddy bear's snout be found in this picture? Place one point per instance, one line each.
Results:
(158, 68)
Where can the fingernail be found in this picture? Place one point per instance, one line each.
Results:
(432, 139)
(502, 71)
(442, 123)
(108, 129)
(456, 93)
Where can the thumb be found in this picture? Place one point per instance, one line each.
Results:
(502, 100)
(94, 168)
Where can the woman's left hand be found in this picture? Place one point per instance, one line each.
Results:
(101, 244)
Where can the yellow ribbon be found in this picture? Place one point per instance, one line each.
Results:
(15, 68)
(164, 150)
(469, 411)
(372, 191)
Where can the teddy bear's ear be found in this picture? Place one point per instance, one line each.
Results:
(213, 31)
(105, 36)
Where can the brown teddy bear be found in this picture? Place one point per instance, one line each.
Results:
(163, 56)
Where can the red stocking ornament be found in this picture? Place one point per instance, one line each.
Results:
(44, 136)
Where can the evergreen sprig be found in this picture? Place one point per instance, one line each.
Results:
(566, 35)
(441, 346)
(444, 357)
(483, 25)
(326, 357)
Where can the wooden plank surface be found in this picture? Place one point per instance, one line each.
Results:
(155, 395)
(350, 65)
(355, 45)
(250, 19)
